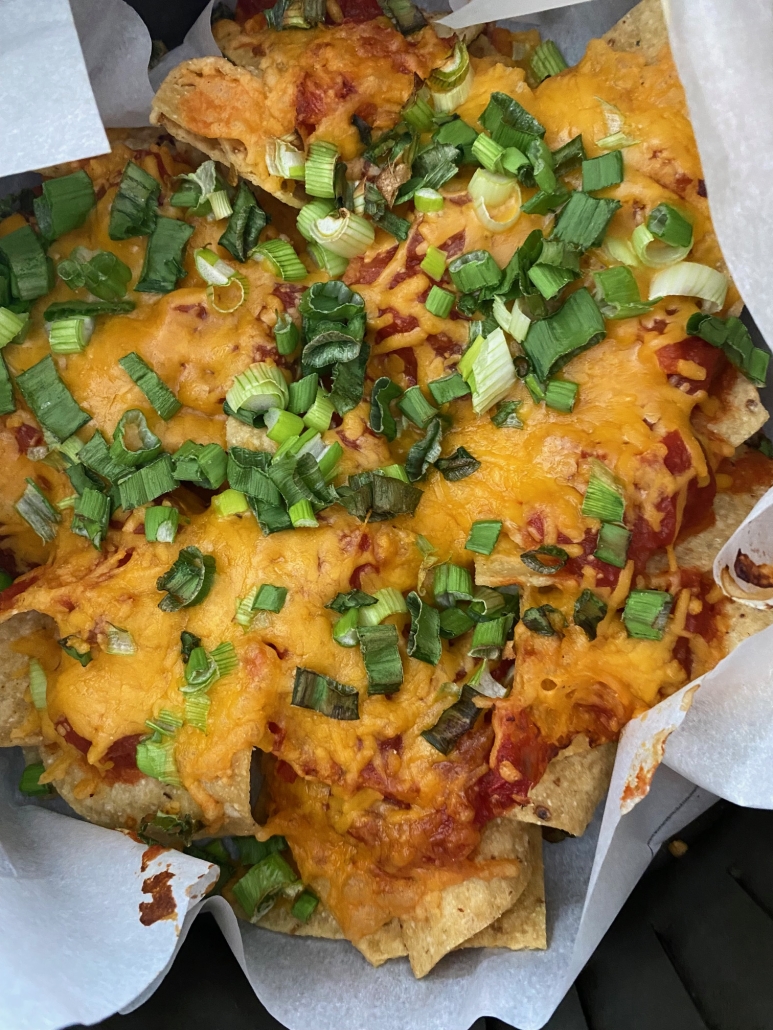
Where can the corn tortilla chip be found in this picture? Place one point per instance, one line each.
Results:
(446, 918)
(642, 30)
(523, 925)
(19, 723)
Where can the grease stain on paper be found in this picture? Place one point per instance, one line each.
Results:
(162, 905)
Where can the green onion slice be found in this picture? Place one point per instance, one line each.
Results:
(434, 263)
(76, 648)
(546, 559)
(455, 721)
(454, 622)
(259, 388)
(388, 602)
(561, 395)
(474, 271)
(584, 221)
(492, 374)
(605, 497)
(425, 452)
(598, 173)
(134, 208)
(451, 83)
(163, 264)
(354, 599)
(64, 204)
(569, 156)
(50, 401)
(488, 153)
(133, 443)
(150, 383)
(732, 336)
(204, 464)
(161, 524)
(229, 502)
(509, 123)
(552, 342)
(589, 610)
(458, 465)
(91, 516)
(70, 335)
(483, 536)
(688, 279)
(345, 629)
(546, 620)
(415, 406)
(320, 170)
(30, 785)
(38, 684)
(119, 641)
(86, 309)
(345, 234)
(448, 388)
(646, 613)
(547, 60)
(156, 759)
(282, 424)
(146, 484)
(286, 334)
(188, 581)
(11, 325)
(424, 637)
(333, 264)
(612, 545)
(439, 302)
(655, 253)
(506, 415)
(451, 583)
(670, 226)
(30, 270)
(304, 906)
(381, 418)
(282, 259)
(302, 515)
(245, 224)
(325, 695)
(285, 160)
(617, 293)
(103, 273)
(381, 656)
(259, 888)
(427, 200)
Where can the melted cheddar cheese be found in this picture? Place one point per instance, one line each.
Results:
(376, 816)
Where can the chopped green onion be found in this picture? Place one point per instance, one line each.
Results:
(302, 515)
(282, 424)
(415, 406)
(95, 455)
(381, 418)
(561, 394)
(161, 524)
(245, 224)
(302, 394)
(589, 610)
(50, 401)
(104, 274)
(156, 759)
(617, 293)
(583, 222)
(147, 445)
(434, 263)
(325, 695)
(163, 264)
(212, 269)
(455, 721)
(552, 342)
(150, 383)
(451, 583)
(605, 497)
(488, 638)
(474, 271)
(489, 153)
(259, 388)
(569, 156)
(612, 545)
(345, 630)
(670, 226)
(546, 620)
(621, 250)
(381, 656)
(86, 309)
(655, 253)
(535, 388)
(64, 204)
(304, 906)
(688, 279)
(509, 123)
(30, 270)
(204, 464)
(259, 888)
(119, 641)
(91, 516)
(38, 684)
(320, 170)
(424, 637)
(201, 671)
(197, 710)
(616, 140)
(188, 581)
(146, 484)
(319, 415)
(493, 372)
(418, 114)
(734, 339)
(81, 654)
(229, 502)
(483, 536)
(30, 785)
(514, 322)
(451, 83)
(427, 200)
(547, 60)
(11, 325)
(598, 173)
(246, 471)
(70, 335)
(513, 161)
(458, 465)
(286, 334)
(439, 302)
(454, 622)
(547, 559)
(541, 159)
(394, 472)
(344, 234)
(285, 160)
(646, 613)
(448, 388)
(352, 599)
(543, 203)
(506, 415)
(282, 259)
(311, 213)
(487, 604)
(333, 264)
(388, 602)
(225, 657)
(491, 187)
(424, 452)
(135, 205)
(550, 280)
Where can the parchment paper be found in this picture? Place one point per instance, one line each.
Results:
(71, 891)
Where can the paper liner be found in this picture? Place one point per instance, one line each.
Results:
(71, 891)
(754, 537)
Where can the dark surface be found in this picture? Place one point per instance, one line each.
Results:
(691, 950)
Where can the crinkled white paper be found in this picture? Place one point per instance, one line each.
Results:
(72, 891)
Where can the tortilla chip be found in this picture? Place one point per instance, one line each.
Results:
(741, 415)
(569, 793)
(18, 721)
(643, 30)
(446, 918)
(524, 925)
(232, 790)
(280, 919)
